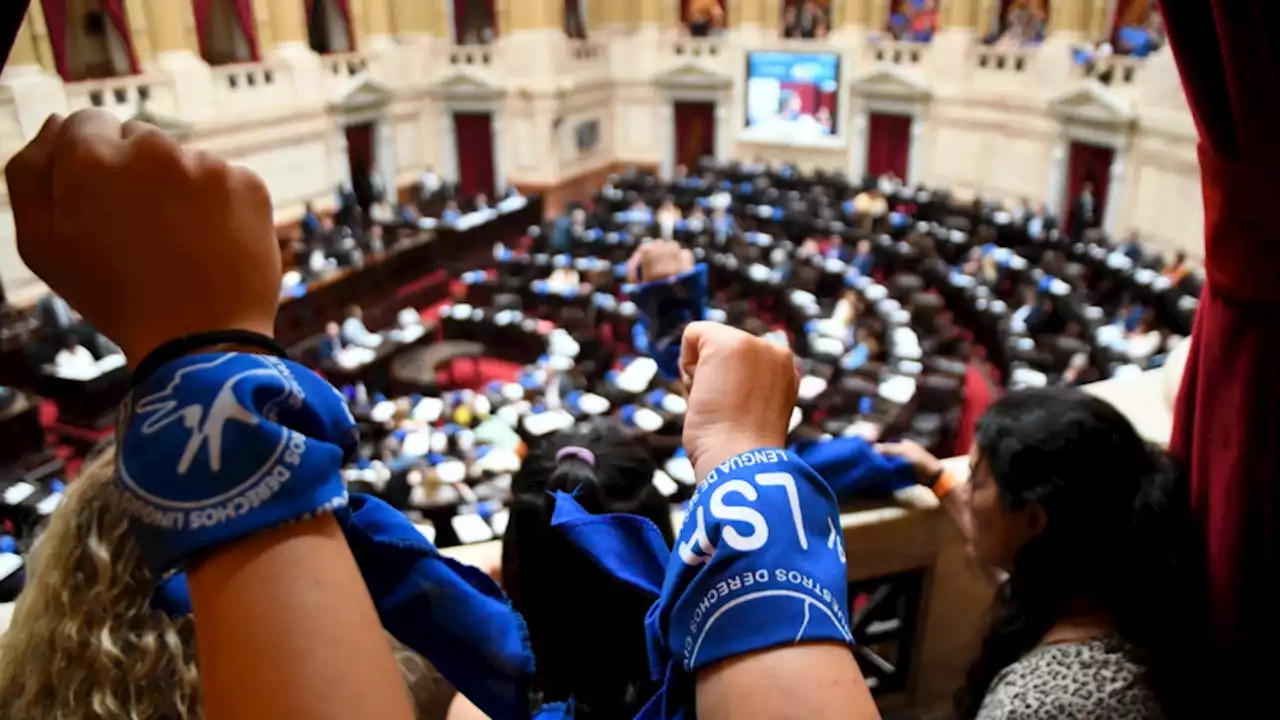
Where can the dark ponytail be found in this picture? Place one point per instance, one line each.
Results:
(1119, 541)
(587, 634)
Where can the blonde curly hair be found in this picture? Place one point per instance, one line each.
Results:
(84, 642)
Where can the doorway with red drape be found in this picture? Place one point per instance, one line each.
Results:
(888, 144)
(1227, 419)
(694, 132)
(473, 133)
(1092, 164)
(360, 160)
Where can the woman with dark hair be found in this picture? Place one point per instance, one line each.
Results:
(1101, 611)
(587, 632)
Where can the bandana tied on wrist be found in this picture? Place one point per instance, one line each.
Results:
(217, 447)
(666, 306)
(852, 467)
(759, 564)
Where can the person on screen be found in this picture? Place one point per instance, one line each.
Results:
(823, 116)
(792, 120)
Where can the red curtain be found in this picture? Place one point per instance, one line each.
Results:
(1091, 163)
(474, 135)
(244, 14)
(360, 148)
(695, 132)
(344, 7)
(203, 11)
(888, 144)
(55, 17)
(1227, 419)
(114, 10)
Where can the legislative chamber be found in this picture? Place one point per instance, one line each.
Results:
(932, 204)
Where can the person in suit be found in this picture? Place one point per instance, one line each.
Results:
(863, 261)
(354, 331)
(1084, 212)
(331, 344)
(1131, 247)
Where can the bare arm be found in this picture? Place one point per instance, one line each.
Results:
(804, 682)
(287, 630)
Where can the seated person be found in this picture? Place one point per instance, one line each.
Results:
(331, 344)
(1026, 313)
(870, 205)
(451, 213)
(590, 648)
(376, 243)
(667, 217)
(722, 222)
(863, 261)
(354, 332)
(1040, 223)
(481, 202)
(697, 219)
(1145, 341)
(1078, 371)
(428, 183)
(1178, 270)
(889, 183)
(310, 223)
(563, 278)
(639, 213)
(74, 358)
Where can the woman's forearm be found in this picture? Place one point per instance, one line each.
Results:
(286, 629)
(817, 681)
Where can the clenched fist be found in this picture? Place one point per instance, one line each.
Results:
(741, 390)
(658, 260)
(147, 240)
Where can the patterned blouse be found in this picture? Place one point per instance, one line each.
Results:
(1092, 680)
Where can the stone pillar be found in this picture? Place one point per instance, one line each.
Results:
(959, 13)
(374, 28)
(23, 58)
(876, 15)
(411, 17)
(31, 88)
(174, 52)
(534, 15)
(859, 141)
(1054, 194)
(288, 25)
(262, 24)
(137, 13)
(1096, 17)
(666, 137)
(1115, 190)
(913, 153)
(770, 17)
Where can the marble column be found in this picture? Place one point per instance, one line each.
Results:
(288, 25)
(666, 125)
(262, 25)
(31, 88)
(137, 14)
(770, 17)
(411, 17)
(1054, 194)
(499, 151)
(960, 13)
(1072, 17)
(175, 52)
(724, 128)
(374, 25)
(914, 152)
(1115, 189)
(1096, 17)
(859, 142)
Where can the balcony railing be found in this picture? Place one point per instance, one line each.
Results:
(1114, 70)
(123, 94)
(1004, 59)
(698, 47)
(473, 55)
(343, 65)
(585, 51)
(885, 49)
(241, 87)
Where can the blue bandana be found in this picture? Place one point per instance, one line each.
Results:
(759, 564)
(218, 447)
(852, 467)
(666, 306)
(450, 613)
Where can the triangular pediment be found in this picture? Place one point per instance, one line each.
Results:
(1092, 102)
(891, 82)
(361, 94)
(465, 85)
(693, 76)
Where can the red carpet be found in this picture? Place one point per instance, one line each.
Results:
(465, 374)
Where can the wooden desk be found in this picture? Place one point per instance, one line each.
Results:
(380, 279)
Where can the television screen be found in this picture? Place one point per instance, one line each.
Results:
(791, 97)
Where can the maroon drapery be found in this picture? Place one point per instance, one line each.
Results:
(244, 14)
(694, 131)
(360, 148)
(114, 10)
(888, 144)
(1227, 419)
(474, 135)
(1087, 163)
(55, 18)
(344, 7)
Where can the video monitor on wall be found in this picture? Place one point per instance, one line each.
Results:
(791, 97)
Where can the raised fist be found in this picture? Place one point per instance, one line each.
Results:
(741, 390)
(148, 241)
(658, 260)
